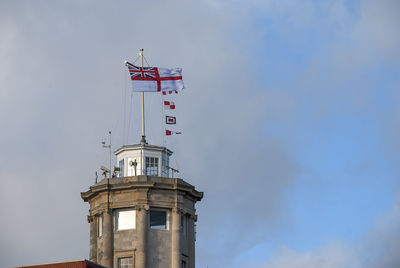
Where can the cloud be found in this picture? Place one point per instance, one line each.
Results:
(383, 241)
(377, 31)
(378, 248)
(62, 85)
(332, 256)
(343, 74)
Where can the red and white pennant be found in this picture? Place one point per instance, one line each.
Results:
(169, 105)
(170, 132)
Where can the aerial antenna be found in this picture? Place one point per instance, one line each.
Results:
(103, 143)
(105, 171)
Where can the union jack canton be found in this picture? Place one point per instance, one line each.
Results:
(153, 79)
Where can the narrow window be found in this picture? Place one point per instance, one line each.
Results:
(100, 225)
(183, 264)
(164, 165)
(121, 166)
(125, 219)
(152, 166)
(158, 219)
(125, 262)
(183, 224)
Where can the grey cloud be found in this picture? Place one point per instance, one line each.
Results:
(62, 80)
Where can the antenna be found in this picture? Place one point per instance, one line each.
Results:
(103, 143)
(106, 170)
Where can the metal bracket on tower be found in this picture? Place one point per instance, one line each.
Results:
(173, 170)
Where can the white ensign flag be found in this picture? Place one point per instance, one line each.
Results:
(153, 79)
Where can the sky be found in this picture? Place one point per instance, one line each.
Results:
(289, 117)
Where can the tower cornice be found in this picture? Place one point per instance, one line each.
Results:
(140, 182)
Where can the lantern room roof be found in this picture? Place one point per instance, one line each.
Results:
(135, 147)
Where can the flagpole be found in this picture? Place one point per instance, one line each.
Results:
(143, 140)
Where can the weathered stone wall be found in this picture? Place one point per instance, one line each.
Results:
(159, 248)
(147, 247)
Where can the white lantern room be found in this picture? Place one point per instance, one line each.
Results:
(143, 159)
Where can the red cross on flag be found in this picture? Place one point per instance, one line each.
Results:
(153, 79)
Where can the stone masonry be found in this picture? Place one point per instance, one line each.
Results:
(172, 247)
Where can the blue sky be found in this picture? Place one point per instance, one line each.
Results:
(290, 122)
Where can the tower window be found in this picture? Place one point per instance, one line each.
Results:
(125, 219)
(152, 166)
(164, 165)
(183, 224)
(121, 166)
(158, 219)
(100, 226)
(125, 262)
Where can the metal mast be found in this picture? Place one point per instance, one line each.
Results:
(143, 140)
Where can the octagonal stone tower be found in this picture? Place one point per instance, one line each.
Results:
(143, 217)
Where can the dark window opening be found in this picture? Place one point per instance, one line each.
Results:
(183, 224)
(158, 219)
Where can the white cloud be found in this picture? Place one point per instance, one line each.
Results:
(332, 256)
(61, 79)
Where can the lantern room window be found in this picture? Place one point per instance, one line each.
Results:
(152, 166)
(121, 165)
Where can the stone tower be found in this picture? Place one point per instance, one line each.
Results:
(142, 217)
